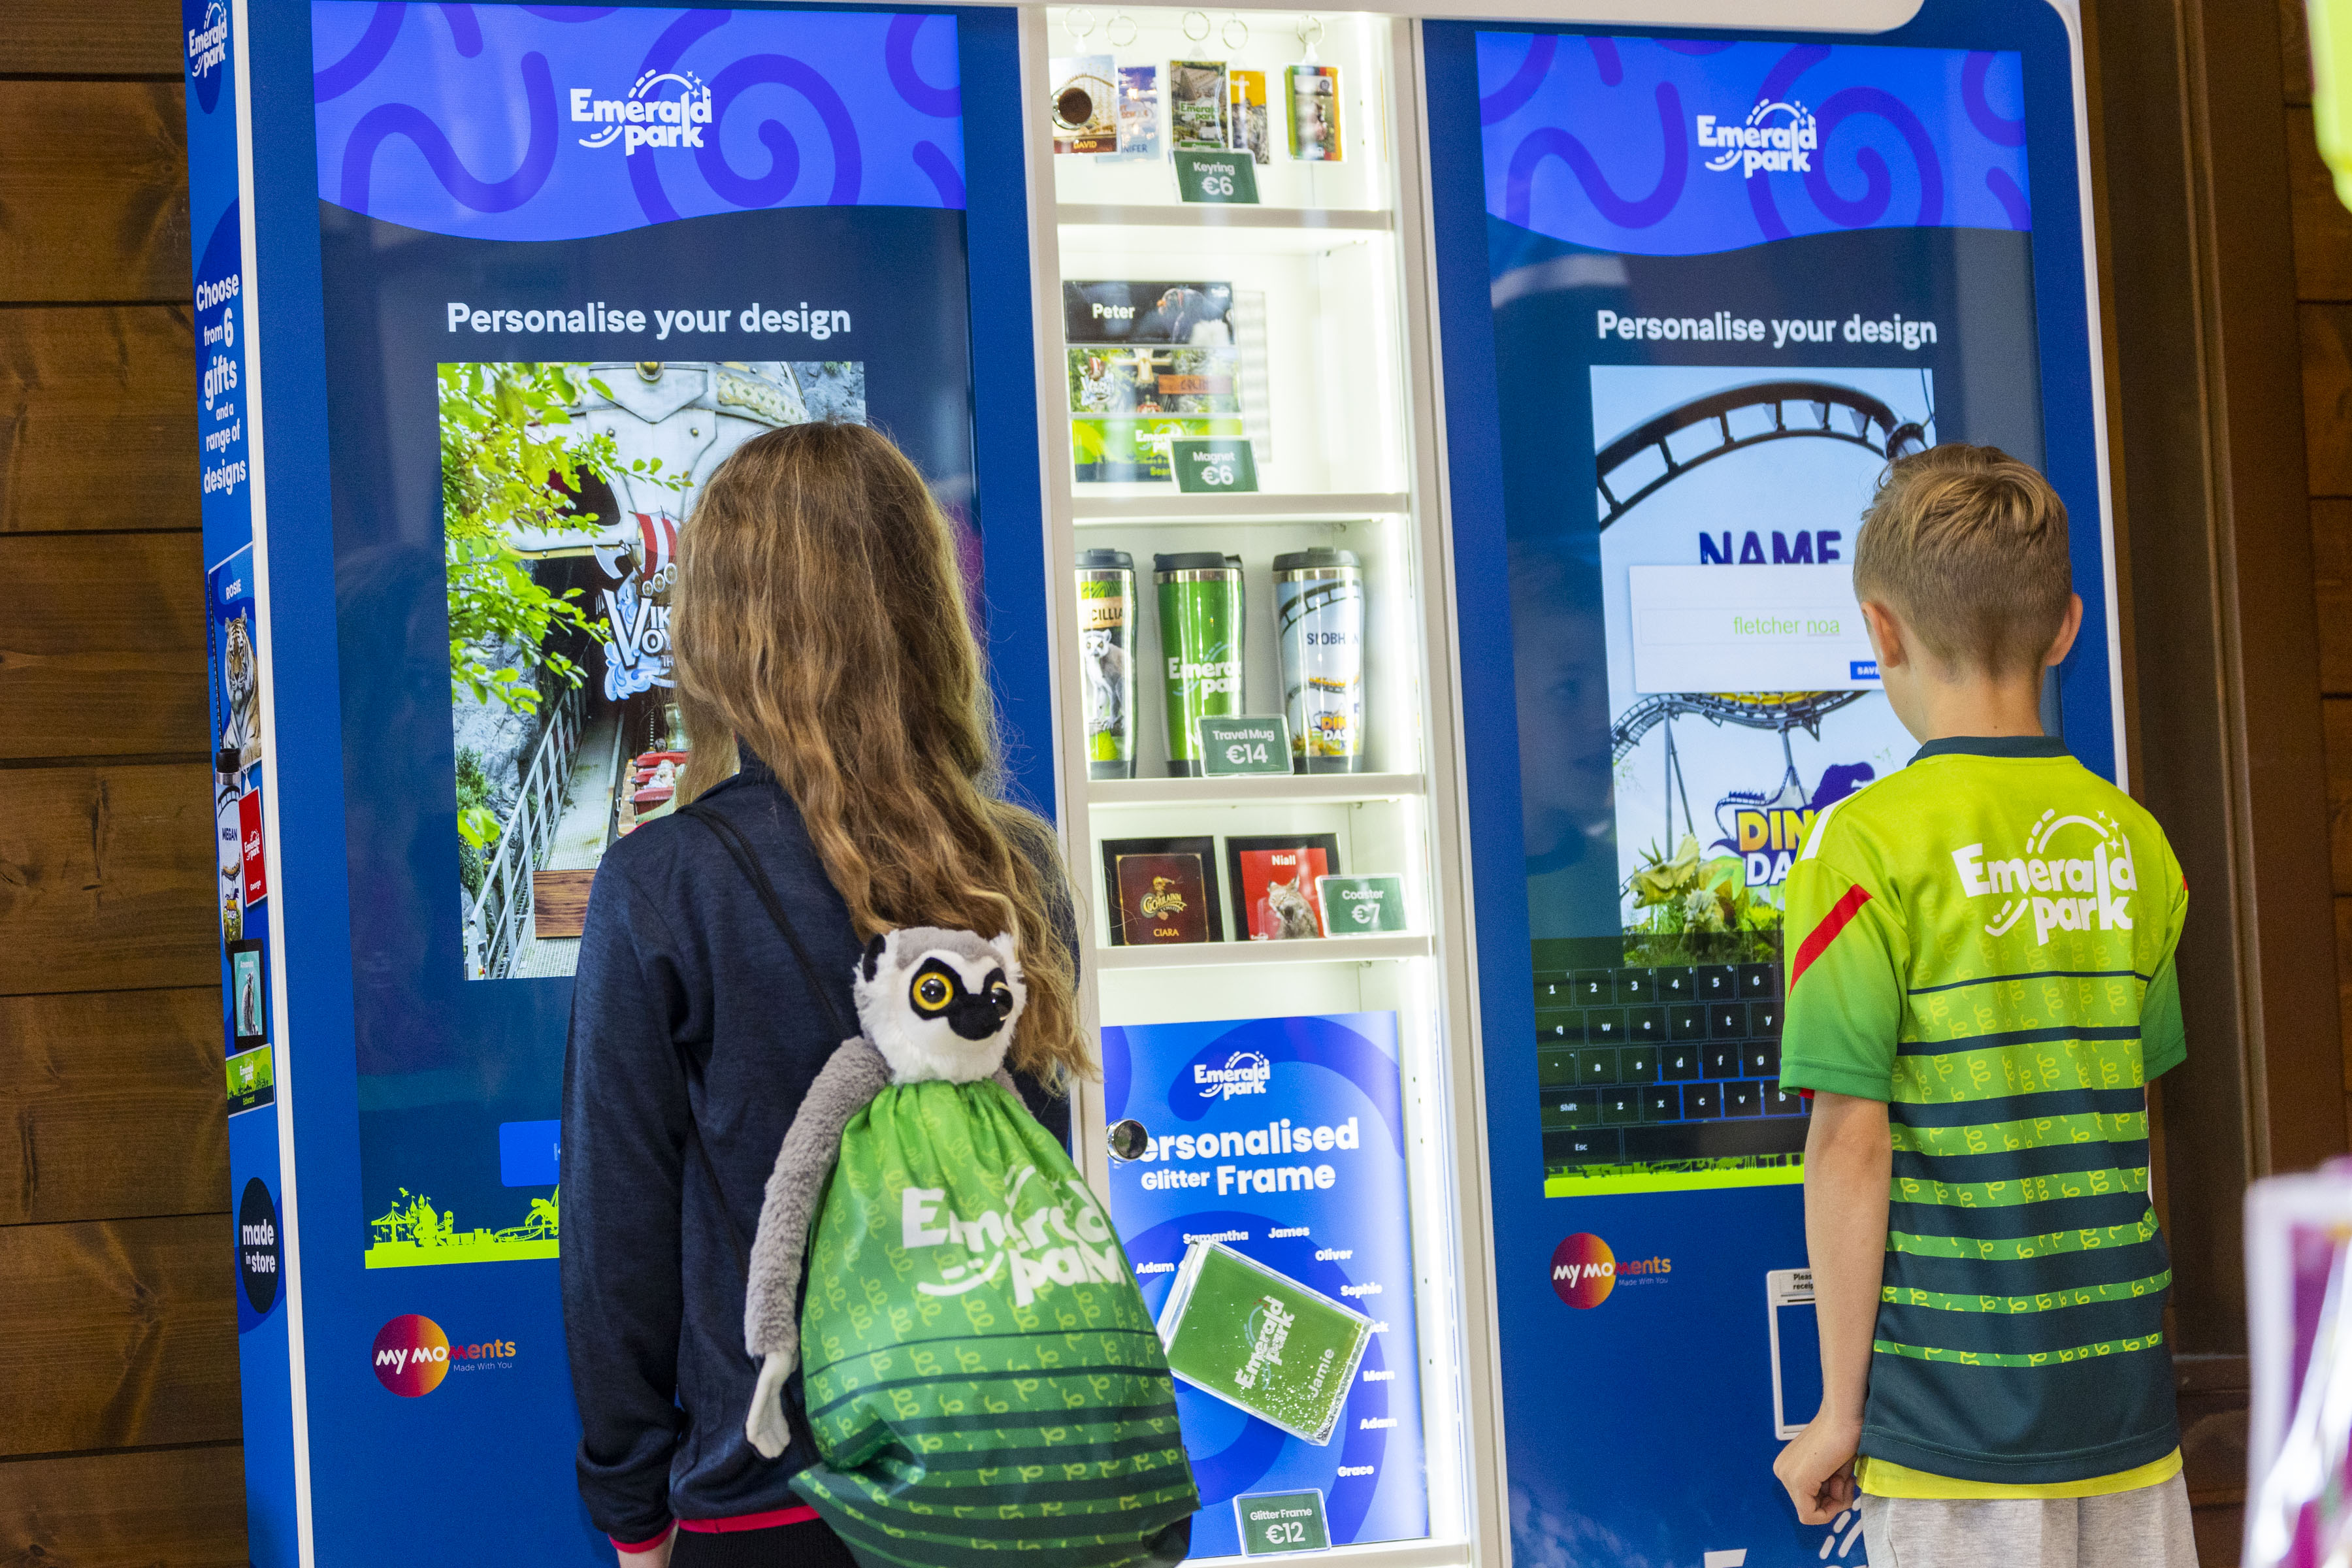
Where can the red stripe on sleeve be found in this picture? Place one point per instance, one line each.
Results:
(1813, 946)
(800, 1513)
(640, 1547)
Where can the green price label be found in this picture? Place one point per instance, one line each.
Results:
(1214, 465)
(1223, 179)
(1273, 1523)
(1237, 743)
(1362, 905)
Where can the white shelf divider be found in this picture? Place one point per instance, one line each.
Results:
(1107, 215)
(1258, 507)
(1247, 954)
(1273, 789)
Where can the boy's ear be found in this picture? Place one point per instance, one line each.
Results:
(1885, 634)
(2068, 626)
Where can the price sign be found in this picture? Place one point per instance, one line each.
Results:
(1221, 179)
(1362, 906)
(1273, 1523)
(1238, 744)
(1214, 465)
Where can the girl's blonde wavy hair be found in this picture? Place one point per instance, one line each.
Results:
(819, 616)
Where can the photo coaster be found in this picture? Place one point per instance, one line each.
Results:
(1273, 881)
(1161, 891)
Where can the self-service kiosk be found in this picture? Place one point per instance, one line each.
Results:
(1407, 466)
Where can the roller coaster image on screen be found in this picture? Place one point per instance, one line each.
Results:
(564, 488)
(1743, 699)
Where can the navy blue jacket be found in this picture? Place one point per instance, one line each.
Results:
(689, 1014)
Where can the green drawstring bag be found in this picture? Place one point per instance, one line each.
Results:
(982, 1376)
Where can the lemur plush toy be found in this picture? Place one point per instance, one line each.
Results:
(982, 1376)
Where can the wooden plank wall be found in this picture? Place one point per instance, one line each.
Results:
(118, 1420)
(118, 1417)
(2323, 289)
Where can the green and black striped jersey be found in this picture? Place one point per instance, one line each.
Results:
(1984, 940)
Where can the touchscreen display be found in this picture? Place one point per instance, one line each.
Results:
(1731, 282)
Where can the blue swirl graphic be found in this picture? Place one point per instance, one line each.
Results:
(941, 171)
(644, 174)
(1607, 60)
(1512, 96)
(1777, 86)
(1878, 186)
(347, 73)
(898, 59)
(2011, 199)
(870, 113)
(464, 31)
(387, 120)
(1993, 128)
(760, 191)
(1550, 142)
(1708, 188)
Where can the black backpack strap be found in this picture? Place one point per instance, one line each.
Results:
(753, 872)
(732, 839)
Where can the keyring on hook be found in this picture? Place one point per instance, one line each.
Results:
(1079, 31)
(1201, 36)
(1111, 31)
(1236, 44)
(1310, 33)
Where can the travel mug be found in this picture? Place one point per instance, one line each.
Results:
(1200, 610)
(1319, 622)
(1106, 661)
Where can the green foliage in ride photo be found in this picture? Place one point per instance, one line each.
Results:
(513, 459)
(1696, 909)
(473, 797)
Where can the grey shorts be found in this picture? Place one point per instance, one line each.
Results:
(2144, 1529)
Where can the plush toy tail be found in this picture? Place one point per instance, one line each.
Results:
(767, 1427)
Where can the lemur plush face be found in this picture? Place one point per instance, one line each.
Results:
(939, 1004)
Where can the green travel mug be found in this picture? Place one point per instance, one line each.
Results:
(1201, 609)
(1106, 653)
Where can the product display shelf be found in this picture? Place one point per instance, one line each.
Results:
(1297, 789)
(1163, 505)
(1299, 325)
(1261, 954)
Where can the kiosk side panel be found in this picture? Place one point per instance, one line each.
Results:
(240, 646)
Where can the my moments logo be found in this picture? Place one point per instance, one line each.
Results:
(649, 117)
(2062, 891)
(1244, 1072)
(1775, 138)
(413, 1354)
(1584, 1270)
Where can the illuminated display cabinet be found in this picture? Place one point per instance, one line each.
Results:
(1298, 323)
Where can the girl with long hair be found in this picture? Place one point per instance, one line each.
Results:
(839, 720)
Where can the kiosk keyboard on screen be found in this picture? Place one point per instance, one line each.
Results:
(1659, 1071)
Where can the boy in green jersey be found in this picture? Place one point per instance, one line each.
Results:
(1980, 984)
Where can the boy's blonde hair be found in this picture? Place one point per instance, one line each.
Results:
(1967, 545)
